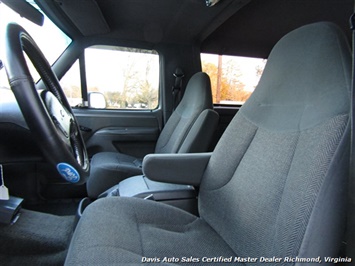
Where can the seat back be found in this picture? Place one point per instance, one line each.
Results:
(275, 184)
(192, 125)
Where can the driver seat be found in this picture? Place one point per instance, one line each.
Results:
(275, 185)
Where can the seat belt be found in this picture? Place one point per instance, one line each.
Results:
(350, 231)
(176, 90)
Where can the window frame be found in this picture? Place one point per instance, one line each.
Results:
(82, 61)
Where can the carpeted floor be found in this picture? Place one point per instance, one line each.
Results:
(56, 207)
(36, 239)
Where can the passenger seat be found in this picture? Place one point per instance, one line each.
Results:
(189, 130)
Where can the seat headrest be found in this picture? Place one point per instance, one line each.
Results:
(198, 95)
(306, 80)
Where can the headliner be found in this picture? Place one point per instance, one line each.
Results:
(235, 27)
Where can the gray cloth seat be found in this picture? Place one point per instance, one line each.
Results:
(189, 129)
(275, 184)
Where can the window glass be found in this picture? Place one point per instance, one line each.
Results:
(71, 85)
(233, 78)
(50, 39)
(128, 78)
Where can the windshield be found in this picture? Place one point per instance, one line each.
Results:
(50, 39)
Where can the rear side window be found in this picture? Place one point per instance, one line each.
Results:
(233, 78)
(125, 78)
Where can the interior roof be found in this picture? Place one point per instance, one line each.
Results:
(256, 28)
(235, 27)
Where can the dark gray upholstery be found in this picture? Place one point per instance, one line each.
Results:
(189, 129)
(275, 184)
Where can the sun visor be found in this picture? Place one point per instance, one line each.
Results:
(79, 12)
(25, 10)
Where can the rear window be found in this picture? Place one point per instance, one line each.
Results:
(233, 78)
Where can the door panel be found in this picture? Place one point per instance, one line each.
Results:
(130, 132)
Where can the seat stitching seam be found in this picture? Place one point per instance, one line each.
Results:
(237, 165)
(139, 231)
(288, 172)
(187, 132)
(172, 132)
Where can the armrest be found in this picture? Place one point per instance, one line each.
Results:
(187, 168)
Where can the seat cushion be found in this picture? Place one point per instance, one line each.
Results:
(110, 168)
(197, 98)
(190, 128)
(112, 231)
(284, 156)
(275, 184)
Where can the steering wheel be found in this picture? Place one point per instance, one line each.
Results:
(47, 113)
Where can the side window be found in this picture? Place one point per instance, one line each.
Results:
(125, 78)
(233, 78)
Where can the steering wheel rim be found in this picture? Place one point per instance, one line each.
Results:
(48, 113)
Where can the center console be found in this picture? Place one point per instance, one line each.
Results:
(181, 196)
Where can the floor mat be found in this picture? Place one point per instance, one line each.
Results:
(56, 207)
(36, 239)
